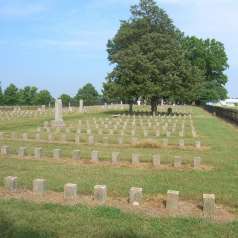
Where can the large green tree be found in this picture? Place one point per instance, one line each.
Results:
(89, 94)
(66, 99)
(210, 58)
(11, 95)
(27, 95)
(43, 97)
(148, 58)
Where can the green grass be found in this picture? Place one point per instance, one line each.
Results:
(58, 221)
(27, 220)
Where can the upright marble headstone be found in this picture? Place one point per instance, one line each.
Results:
(58, 122)
(81, 105)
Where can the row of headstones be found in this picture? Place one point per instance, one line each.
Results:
(100, 195)
(165, 115)
(91, 140)
(121, 125)
(115, 159)
(29, 113)
(120, 122)
(100, 132)
(125, 125)
(124, 132)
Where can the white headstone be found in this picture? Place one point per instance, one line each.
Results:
(58, 122)
(81, 105)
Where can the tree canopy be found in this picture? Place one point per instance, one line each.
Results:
(89, 94)
(152, 59)
(26, 96)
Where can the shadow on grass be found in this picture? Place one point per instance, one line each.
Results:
(125, 234)
(9, 230)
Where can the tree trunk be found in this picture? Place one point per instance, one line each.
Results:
(154, 105)
(130, 107)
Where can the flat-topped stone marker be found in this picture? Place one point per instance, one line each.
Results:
(94, 156)
(100, 193)
(165, 142)
(156, 161)
(70, 191)
(209, 206)
(76, 155)
(77, 139)
(56, 153)
(197, 162)
(177, 161)
(172, 200)
(39, 186)
(38, 153)
(50, 137)
(4, 149)
(10, 183)
(198, 144)
(24, 136)
(135, 196)
(115, 157)
(37, 136)
(135, 159)
(91, 140)
(21, 152)
(181, 143)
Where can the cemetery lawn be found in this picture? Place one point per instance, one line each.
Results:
(25, 219)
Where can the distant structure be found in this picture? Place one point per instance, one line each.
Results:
(231, 102)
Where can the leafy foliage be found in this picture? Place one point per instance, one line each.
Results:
(26, 96)
(89, 94)
(153, 60)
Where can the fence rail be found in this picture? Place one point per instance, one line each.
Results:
(226, 113)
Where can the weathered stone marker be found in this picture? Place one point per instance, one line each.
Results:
(21, 152)
(50, 137)
(197, 162)
(177, 161)
(58, 122)
(198, 144)
(209, 206)
(56, 153)
(120, 140)
(81, 105)
(94, 156)
(100, 193)
(76, 155)
(24, 136)
(37, 137)
(115, 157)
(135, 196)
(38, 153)
(10, 183)
(156, 161)
(4, 150)
(172, 200)
(181, 143)
(165, 142)
(70, 191)
(135, 159)
(39, 186)
(77, 139)
(91, 140)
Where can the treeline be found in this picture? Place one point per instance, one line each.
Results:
(31, 96)
(154, 61)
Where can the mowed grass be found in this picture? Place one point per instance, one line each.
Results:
(28, 220)
(59, 221)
